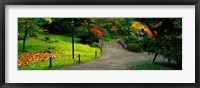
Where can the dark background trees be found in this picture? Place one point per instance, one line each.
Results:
(167, 39)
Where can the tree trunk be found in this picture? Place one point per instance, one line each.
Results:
(24, 40)
(164, 39)
(150, 28)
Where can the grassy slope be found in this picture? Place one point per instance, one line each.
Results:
(63, 52)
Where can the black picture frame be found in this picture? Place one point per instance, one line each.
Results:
(99, 2)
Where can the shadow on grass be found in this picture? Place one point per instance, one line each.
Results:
(170, 65)
(155, 66)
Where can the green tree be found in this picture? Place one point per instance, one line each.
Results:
(167, 38)
(28, 25)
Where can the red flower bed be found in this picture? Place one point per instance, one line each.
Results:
(96, 32)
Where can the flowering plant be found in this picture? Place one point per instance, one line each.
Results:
(96, 32)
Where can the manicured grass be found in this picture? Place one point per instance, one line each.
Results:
(153, 66)
(63, 51)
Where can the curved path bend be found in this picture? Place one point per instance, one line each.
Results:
(115, 58)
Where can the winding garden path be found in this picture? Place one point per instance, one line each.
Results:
(115, 58)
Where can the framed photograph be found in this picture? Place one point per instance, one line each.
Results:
(109, 43)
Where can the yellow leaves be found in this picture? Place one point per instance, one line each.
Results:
(48, 19)
(137, 25)
(140, 26)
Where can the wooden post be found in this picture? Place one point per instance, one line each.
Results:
(50, 62)
(154, 58)
(95, 54)
(79, 58)
(101, 50)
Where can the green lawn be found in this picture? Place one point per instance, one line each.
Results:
(153, 66)
(62, 48)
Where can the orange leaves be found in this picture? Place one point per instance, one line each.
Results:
(43, 59)
(140, 26)
(20, 62)
(114, 28)
(137, 25)
(148, 31)
(24, 59)
(54, 56)
(23, 62)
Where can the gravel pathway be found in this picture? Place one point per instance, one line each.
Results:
(115, 58)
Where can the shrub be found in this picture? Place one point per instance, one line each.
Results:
(96, 32)
(148, 44)
(94, 38)
(95, 35)
(131, 39)
(84, 37)
(94, 44)
(106, 39)
(78, 30)
(134, 47)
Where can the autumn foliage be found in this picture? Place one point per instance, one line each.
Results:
(114, 28)
(137, 25)
(140, 26)
(24, 59)
(96, 32)
(148, 32)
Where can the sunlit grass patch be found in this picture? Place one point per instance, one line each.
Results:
(62, 52)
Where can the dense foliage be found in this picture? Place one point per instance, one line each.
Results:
(162, 36)
(167, 39)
